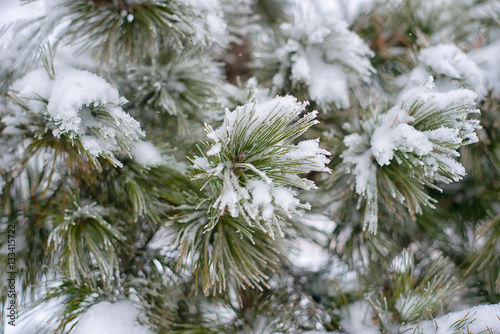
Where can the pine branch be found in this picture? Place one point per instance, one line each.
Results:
(120, 31)
(251, 160)
(83, 243)
(307, 58)
(230, 253)
(395, 155)
(88, 114)
(175, 87)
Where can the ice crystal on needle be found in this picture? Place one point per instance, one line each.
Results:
(251, 162)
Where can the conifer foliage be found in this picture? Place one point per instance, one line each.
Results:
(250, 166)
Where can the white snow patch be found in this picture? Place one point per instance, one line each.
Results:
(147, 154)
(402, 137)
(13, 10)
(111, 318)
(358, 318)
(309, 255)
(214, 149)
(477, 319)
(319, 221)
(451, 68)
(488, 59)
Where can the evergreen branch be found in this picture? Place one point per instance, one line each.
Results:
(124, 31)
(174, 85)
(485, 261)
(83, 242)
(88, 115)
(229, 252)
(251, 154)
(410, 147)
(307, 57)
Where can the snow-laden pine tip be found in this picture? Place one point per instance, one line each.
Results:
(323, 53)
(252, 164)
(424, 129)
(451, 67)
(111, 318)
(402, 262)
(419, 133)
(82, 106)
(209, 22)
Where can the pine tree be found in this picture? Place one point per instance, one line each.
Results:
(250, 166)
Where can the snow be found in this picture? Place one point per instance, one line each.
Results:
(329, 81)
(345, 9)
(230, 196)
(261, 195)
(147, 154)
(488, 59)
(358, 318)
(210, 25)
(403, 137)
(35, 84)
(320, 222)
(72, 91)
(478, 319)
(447, 59)
(111, 318)
(311, 248)
(364, 169)
(309, 255)
(13, 10)
(286, 200)
(310, 150)
(214, 149)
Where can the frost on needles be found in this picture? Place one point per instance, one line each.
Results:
(394, 155)
(251, 164)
